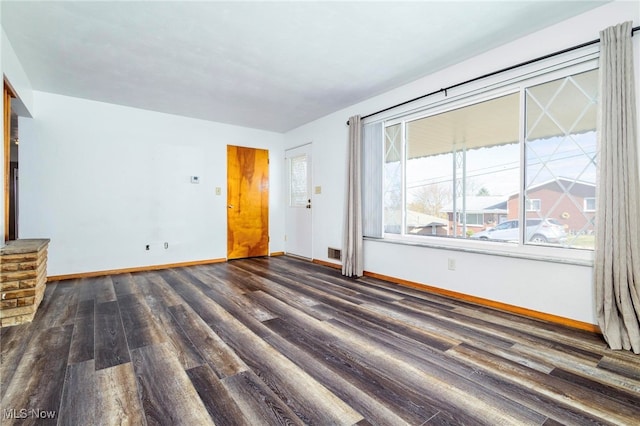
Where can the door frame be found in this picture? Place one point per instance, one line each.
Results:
(7, 95)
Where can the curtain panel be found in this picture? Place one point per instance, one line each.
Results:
(617, 255)
(352, 257)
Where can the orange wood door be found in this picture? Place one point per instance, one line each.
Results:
(7, 94)
(247, 202)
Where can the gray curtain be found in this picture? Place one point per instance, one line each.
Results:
(352, 258)
(617, 256)
(372, 160)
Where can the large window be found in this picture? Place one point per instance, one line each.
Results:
(529, 154)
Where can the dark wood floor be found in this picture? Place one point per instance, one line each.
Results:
(282, 341)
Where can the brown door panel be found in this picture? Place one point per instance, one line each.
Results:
(247, 202)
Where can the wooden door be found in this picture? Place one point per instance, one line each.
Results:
(247, 202)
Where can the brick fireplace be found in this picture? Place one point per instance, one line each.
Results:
(23, 276)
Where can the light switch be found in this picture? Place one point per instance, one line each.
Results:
(195, 179)
(218, 190)
(318, 190)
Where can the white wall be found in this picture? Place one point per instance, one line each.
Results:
(559, 289)
(15, 74)
(12, 71)
(102, 181)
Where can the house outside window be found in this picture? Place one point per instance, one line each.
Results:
(528, 152)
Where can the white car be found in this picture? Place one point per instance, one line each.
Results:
(538, 231)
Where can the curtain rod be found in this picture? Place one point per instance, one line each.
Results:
(521, 64)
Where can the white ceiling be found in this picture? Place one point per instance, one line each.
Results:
(266, 65)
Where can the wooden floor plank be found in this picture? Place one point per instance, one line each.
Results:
(373, 320)
(110, 341)
(117, 397)
(619, 394)
(622, 365)
(157, 297)
(140, 327)
(104, 291)
(219, 291)
(166, 398)
(272, 367)
(13, 343)
(410, 407)
(258, 403)
(221, 359)
(442, 324)
(418, 381)
(38, 381)
(82, 342)
(63, 307)
(125, 284)
(216, 397)
(79, 397)
(236, 275)
(368, 405)
(16, 340)
(601, 407)
(279, 340)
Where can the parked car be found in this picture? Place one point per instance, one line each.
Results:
(538, 231)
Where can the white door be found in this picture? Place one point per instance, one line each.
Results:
(299, 202)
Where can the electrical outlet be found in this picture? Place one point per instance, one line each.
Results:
(451, 264)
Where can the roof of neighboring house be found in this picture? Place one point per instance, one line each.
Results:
(415, 218)
(481, 204)
(575, 187)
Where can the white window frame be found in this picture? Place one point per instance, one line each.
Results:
(512, 81)
(531, 204)
(474, 214)
(584, 205)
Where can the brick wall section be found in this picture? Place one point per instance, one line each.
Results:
(23, 276)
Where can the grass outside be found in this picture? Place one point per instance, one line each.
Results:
(582, 241)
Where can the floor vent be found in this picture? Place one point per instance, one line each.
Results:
(334, 253)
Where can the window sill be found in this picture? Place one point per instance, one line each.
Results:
(538, 253)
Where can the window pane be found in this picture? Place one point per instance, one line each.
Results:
(589, 204)
(392, 189)
(462, 166)
(298, 195)
(532, 204)
(560, 158)
(429, 192)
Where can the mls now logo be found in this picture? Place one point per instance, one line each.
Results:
(28, 414)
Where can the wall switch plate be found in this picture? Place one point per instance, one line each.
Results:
(195, 179)
(218, 190)
(318, 190)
